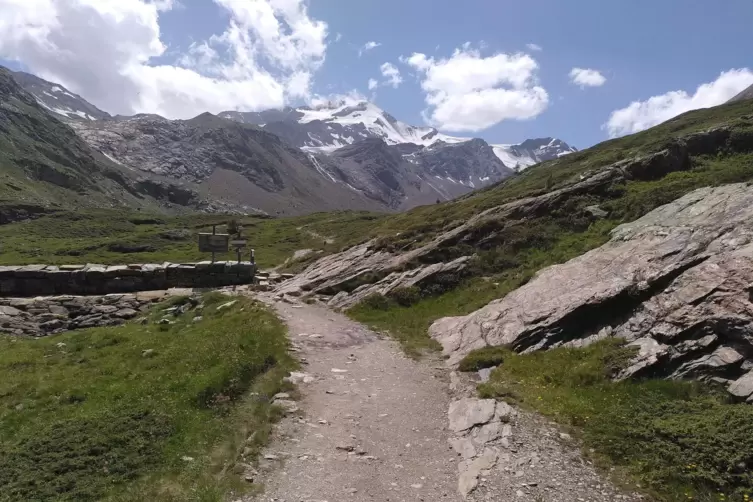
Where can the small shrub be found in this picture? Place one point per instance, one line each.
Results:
(176, 234)
(376, 301)
(488, 357)
(406, 297)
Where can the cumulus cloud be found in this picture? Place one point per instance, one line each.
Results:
(586, 77)
(105, 50)
(373, 84)
(367, 47)
(469, 92)
(640, 115)
(534, 47)
(391, 74)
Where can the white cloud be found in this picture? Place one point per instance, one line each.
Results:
(640, 115)
(367, 47)
(534, 47)
(391, 74)
(104, 50)
(468, 92)
(350, 98)
(586, 77)
(373, 84)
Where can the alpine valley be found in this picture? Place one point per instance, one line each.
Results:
(334, 156)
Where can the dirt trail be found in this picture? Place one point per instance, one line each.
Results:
(374, 427)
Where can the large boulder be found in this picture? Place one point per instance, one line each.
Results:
(675, 282)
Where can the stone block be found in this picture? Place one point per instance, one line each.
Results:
(30, 271)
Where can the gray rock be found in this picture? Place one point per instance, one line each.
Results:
(675, 283)
(743, 386)
(470, 470)
(487, 433)
(226, 305)
(298, 377)
(287, 405)
(467, 412)
(504, 412)
(6, 310)
(126, 313)
(597, 212)
(484, 374)
(463, 447)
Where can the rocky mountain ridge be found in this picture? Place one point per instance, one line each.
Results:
(333, 125)
(241, 166)
(46, 165)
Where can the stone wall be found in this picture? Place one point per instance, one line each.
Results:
(49, 315)
(91, 279)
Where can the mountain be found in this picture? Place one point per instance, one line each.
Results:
(57, 99)
(746, 94)
(230, 162)
(334, 125)
(44, 165)
(532, 151)
(334, 156)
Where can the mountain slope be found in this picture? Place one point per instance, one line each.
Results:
(746, 94)
(57, 99)
(230, 162)
(44, 164)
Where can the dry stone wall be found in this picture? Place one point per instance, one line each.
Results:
(93, 279)
(43, 316)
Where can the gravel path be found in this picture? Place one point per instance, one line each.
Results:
(373, 426)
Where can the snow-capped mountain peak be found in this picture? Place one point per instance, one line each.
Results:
(532, 151)
(331, 125)
(346, 123)
(58, 100)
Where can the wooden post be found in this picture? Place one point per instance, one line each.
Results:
(214, 232)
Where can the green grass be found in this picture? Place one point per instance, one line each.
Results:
(89, 415)
(98, 236)
(678, 440)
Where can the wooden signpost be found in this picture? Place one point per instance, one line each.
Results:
(221, 243)
(214, 242)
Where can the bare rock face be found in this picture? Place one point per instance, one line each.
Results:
(676, 283)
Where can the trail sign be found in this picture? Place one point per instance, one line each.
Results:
(238, 243)
(213, 243)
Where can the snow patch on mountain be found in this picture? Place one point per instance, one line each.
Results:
(532, 151)
(58, 100)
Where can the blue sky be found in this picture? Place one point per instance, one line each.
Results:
(641, 48)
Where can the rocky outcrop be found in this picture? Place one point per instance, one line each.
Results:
(675, 283)
(481, 429)
(43, 316)
(371, 267)
(92, 279)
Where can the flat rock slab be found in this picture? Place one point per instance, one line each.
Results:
(467, 412)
